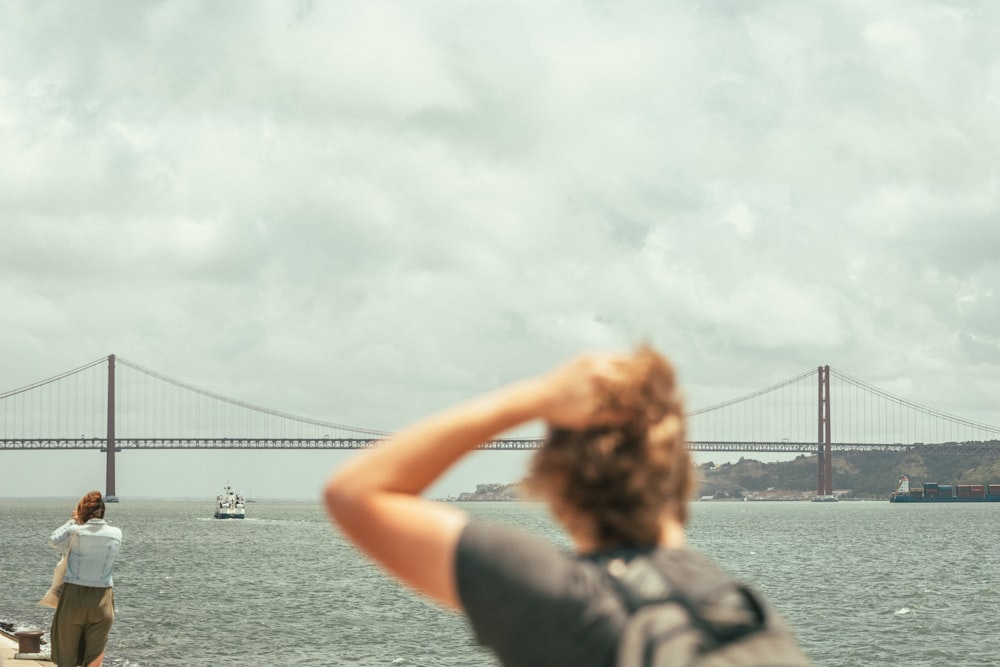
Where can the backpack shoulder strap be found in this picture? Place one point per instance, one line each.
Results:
(720, 607)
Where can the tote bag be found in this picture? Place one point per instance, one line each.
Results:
(51, 598)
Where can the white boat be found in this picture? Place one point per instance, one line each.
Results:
(229, 504)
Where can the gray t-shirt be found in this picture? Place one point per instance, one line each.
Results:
(533, 604)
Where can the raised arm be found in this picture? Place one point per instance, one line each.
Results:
(375, 497)
(61, 534)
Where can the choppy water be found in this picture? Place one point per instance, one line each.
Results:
(861, 583)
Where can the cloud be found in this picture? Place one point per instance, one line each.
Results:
(361, 212)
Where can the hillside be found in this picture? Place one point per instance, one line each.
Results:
(490, 493)
(856, 475)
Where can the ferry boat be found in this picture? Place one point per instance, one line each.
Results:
(932, 492)
(229, 504)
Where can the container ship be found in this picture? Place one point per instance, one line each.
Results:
(932, 492)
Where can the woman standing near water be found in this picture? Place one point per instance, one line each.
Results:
(616, 474)
(83, 618)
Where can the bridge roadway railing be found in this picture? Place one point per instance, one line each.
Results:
(124, 444)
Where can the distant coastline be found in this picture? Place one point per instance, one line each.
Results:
(856, 476)
(488, 493)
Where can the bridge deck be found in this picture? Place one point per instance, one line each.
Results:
(519, 444)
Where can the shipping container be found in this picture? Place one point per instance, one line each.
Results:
(933, 492)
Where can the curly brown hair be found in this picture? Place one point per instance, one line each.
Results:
(91, 506)
(623, 478)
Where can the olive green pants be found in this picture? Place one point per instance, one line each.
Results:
(81, 624)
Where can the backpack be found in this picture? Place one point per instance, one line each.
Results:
(686, 612)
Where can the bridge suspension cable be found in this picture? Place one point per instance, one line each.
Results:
(774, 416)
(752, 395)
(245, 405)
(54, 378)
(69, 404)
(916, 408)
(859, 414)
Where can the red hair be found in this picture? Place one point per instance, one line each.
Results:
(91, 506)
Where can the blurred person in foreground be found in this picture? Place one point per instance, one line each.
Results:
(616, 474)
(86, 608)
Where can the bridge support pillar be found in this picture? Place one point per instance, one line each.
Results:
(109, 470)
(824, 458)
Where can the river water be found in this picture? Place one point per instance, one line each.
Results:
(861, 583)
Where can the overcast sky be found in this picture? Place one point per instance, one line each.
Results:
(364, 211)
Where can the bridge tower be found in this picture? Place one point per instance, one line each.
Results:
(109, 471)
(824, 476)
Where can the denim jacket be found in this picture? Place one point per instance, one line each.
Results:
(92, 554)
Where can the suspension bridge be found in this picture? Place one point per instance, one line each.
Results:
(112, 404)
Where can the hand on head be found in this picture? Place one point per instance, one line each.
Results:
(583, 393)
